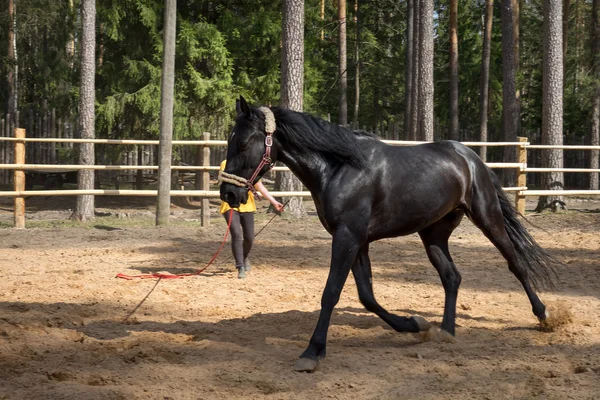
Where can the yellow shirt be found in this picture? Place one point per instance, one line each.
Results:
(250, 206)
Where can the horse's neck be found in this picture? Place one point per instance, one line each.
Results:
(312, 171)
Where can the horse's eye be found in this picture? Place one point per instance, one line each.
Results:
(243, 146)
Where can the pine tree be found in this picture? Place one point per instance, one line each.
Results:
(11, 78)
(552, 113)
(426, 70)
(408, 76)
(84, 208)
(163, 204)
(343, 73)
(356, 65)
(454, 120)
(417, 53)
(485, 77)
(292, 84)
(595, 130)
(510, 110)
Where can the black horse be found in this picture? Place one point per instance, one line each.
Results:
(365, 190)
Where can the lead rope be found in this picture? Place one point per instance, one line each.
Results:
(170, 276)
(178, 276)
(174, 276)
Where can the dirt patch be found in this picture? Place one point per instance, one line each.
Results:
(62, 333)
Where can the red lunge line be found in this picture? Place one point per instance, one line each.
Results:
(179, 276)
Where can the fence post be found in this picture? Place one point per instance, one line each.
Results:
(521, 176)
(205, 221)
(19, 179)
(3, 173)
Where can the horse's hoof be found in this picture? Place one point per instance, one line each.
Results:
(445, 337)
(424, 325)
(306, 365)
(437, 335)
(560, 315)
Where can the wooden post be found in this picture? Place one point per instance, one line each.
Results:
(3, 144)
(521, 176)
(205, 220)
(52, 130)
(10, 157)
(19, 179)
(45, 133)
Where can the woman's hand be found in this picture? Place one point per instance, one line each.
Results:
(278, 206)
(263, 190)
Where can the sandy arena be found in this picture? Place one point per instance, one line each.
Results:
(63, 334)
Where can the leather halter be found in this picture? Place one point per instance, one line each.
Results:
(266, 160)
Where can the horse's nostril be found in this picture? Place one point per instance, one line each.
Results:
(229, 197)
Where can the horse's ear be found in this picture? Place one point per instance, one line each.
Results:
(242, 107)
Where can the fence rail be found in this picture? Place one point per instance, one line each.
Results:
(117, 141)
(125, 192)
(19, 167)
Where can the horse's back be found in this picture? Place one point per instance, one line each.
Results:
(415, 186)
(445, 162)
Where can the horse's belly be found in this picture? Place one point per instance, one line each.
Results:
(409, 217)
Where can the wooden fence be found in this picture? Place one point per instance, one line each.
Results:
(205, 160)
(46, 123)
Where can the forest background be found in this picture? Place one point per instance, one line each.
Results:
(231, 48)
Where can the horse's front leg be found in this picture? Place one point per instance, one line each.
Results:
(364, 283)
(344, 248)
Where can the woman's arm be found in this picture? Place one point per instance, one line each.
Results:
(263, 190)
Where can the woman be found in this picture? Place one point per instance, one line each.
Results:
(242, 226)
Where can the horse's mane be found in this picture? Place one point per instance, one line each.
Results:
(315, 135)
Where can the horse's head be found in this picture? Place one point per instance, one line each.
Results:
(249, 152)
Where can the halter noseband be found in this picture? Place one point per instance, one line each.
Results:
(266, 158)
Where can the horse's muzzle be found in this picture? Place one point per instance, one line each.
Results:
(233, 195)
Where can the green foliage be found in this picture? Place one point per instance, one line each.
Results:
(44, 28)
(228, 48)
(130, 73)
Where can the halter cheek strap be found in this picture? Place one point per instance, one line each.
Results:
(266, 158)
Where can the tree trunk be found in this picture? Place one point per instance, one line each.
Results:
(292, 85)
(595, 131)
(578, 46)
(484, 83)
(11, 106)
(566, 9)
(343, 106)
(84, 208)
(70, 48)
(510, 115)
(552, 103)
(322, 15)
(163, 204)
(454, 121)
(416, 53)
(517, 37)
(357, 67)
(16, 69)
(408, 70)
(426, 70)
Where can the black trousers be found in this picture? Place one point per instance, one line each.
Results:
(242, 235)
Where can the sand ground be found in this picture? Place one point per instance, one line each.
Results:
(63, 334)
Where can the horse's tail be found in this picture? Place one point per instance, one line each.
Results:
(534, 261)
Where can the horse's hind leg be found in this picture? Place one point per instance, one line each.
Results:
(435, 239)
(486, 214)
(361, 269)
